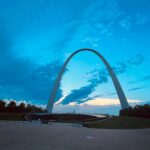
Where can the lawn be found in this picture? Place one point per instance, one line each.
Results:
(12, 116)
(122, 123)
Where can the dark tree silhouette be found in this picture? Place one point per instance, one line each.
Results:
(137, 111)
(29, 108)
(12, 104)
(11, 107)
(21, 108)
(2, 105)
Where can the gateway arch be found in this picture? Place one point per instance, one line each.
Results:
(120, 93)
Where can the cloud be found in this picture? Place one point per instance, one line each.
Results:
(136, 61)
(142, 79)
(107, 102)
(17, 102)
(120, 68)
(80, 95)
(146, 77)
(137, 88)
(98, 21)
(20, 78)
(141, 19)
(96, 106)
(112, 94)
(97, 77)
(28, 81)
(126, 23)
(93, 97)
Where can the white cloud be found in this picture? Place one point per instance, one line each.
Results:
(104, 102)
(17, 102)
(126, 23)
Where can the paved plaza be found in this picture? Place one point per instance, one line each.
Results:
(62, 136)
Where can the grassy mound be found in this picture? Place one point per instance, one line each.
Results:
(122, 123)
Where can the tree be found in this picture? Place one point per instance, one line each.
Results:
(22, 107)
(29, 108)
(137, 111)
(2, 106)
(12, 104)
(11, 107)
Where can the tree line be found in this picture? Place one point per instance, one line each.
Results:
(20, 108)
(137, 111)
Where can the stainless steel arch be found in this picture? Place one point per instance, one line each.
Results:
(121, 95)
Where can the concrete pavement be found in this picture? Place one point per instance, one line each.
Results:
(63, 136)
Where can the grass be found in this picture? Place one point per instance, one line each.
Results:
(113, 123)
(12, 116)
(122, 123)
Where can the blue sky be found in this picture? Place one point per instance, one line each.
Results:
(36, 36)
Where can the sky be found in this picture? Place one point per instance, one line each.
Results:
(37, 36)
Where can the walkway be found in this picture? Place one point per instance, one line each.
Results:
(62, 136)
